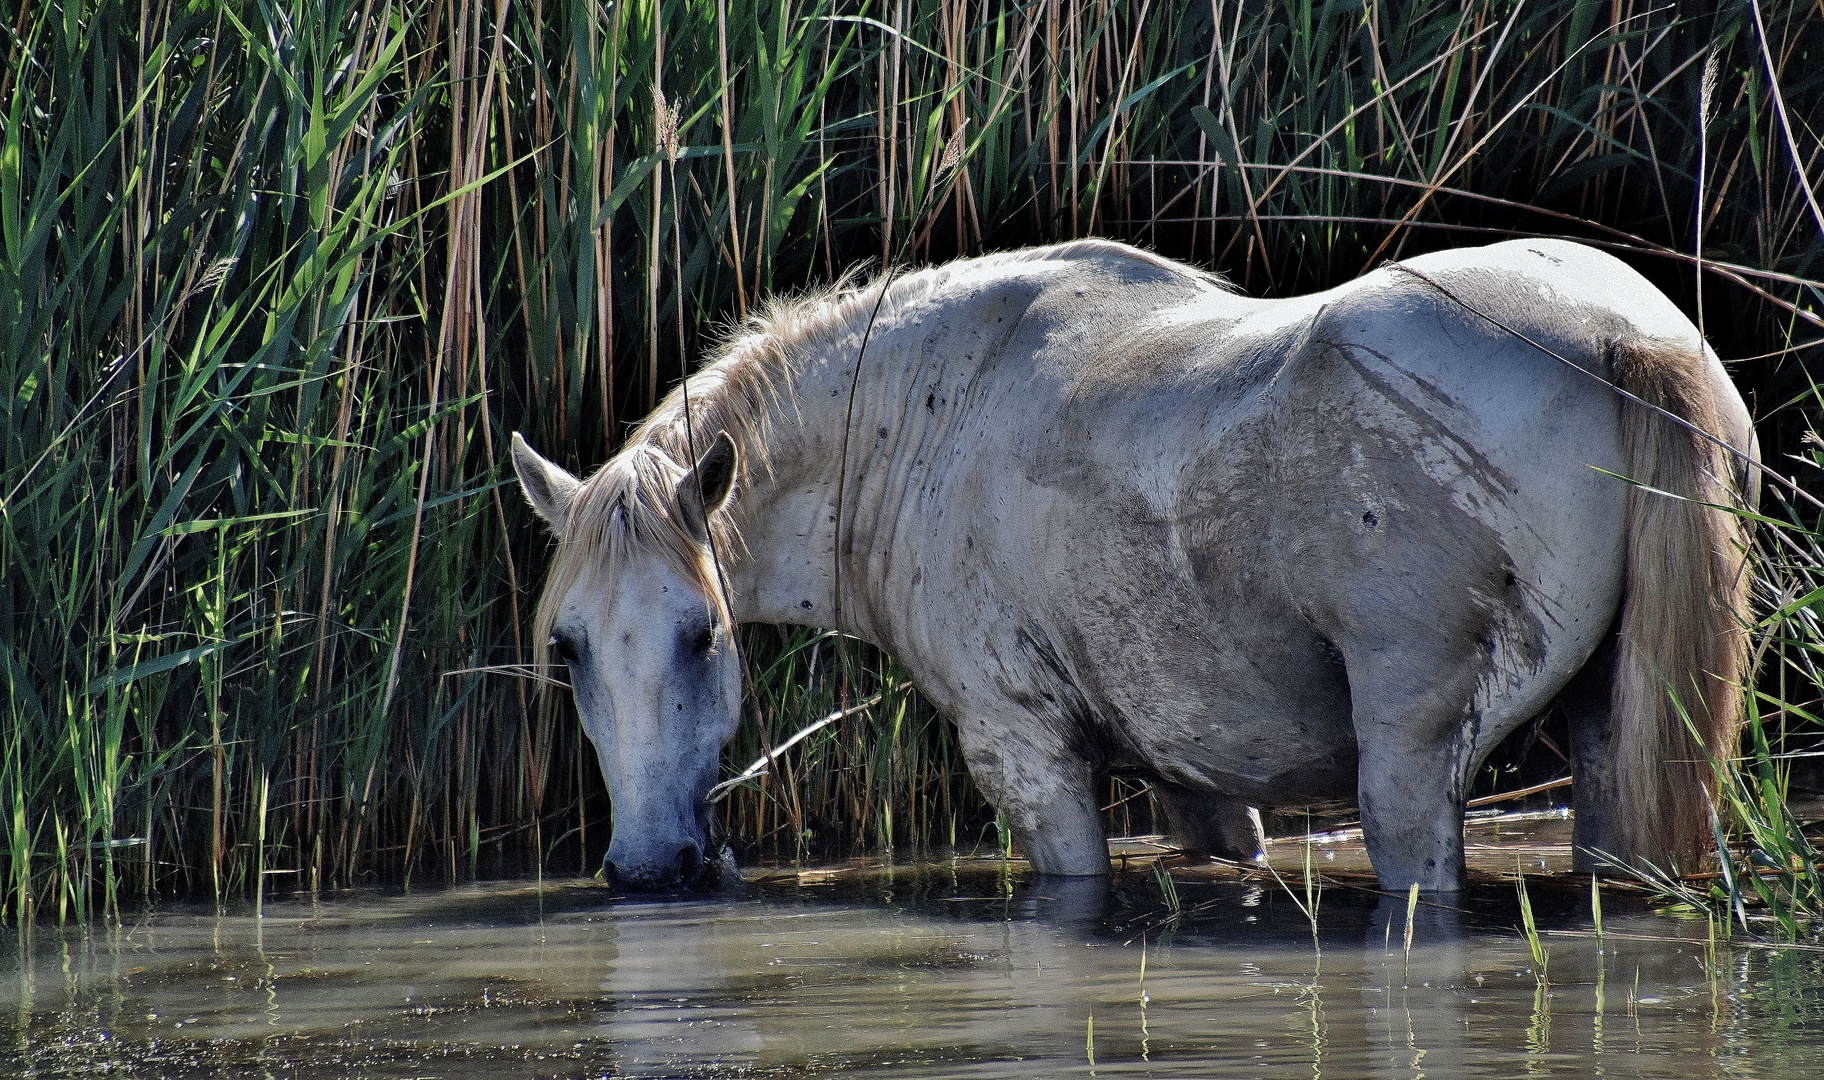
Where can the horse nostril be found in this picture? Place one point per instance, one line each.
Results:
(611, 875)
(690, 863)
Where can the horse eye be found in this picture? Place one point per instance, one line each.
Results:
(704, 639)
(565, 648)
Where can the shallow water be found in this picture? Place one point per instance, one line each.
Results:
(960, 968)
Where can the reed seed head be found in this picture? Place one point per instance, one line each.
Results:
(953, 149)
(1706, 94)
(217, 272)
(665, 125)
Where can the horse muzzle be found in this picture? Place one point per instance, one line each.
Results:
(684, 869)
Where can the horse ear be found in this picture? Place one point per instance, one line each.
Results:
(705, 489)
(547, 486)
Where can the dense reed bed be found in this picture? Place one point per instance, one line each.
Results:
(278, 277)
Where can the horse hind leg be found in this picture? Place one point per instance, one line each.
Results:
(1210, 824)
(1597, 828)
(1416, 729)
(1411, 795)
(1426, 715)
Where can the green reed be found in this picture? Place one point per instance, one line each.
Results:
(1770, 876)
(278, 278)
(1529, 929)
(1168, 892)
(1412, 911)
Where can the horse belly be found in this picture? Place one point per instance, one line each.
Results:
(1208, 681)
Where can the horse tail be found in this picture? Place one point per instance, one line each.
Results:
(1683, 650)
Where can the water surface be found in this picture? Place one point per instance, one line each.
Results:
(965, 967)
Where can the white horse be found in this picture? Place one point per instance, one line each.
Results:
(1111, 515)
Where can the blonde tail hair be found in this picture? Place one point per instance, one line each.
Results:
(1683, 649)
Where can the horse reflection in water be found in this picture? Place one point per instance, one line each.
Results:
(942, 979)
(713, 987)
(1264, 553)
(745, 985)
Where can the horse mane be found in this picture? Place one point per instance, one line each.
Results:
(629, 507)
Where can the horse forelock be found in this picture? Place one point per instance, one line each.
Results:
(627, 511)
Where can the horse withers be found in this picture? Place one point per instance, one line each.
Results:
(1268, 553)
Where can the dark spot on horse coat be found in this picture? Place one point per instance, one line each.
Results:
(1370, 520)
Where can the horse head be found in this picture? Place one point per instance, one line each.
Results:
(635, 610)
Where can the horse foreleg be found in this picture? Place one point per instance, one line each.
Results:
(1046, 792)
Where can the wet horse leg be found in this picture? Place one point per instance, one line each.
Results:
(1210, 824)
(1596, 827)
(1046, 791)
(1411, 796)
(1415, 728)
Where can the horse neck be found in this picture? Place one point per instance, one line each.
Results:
(788, 571)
